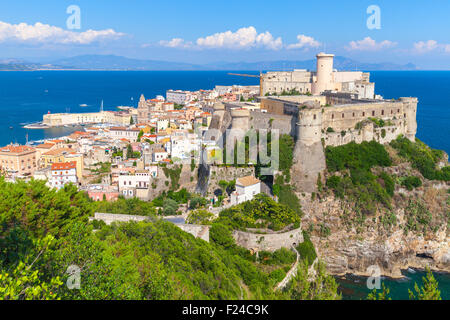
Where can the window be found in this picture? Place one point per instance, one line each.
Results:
(332, 116)
(373, 113)
(315, 117)
(364, 114)
(382, 112)
(343, 116)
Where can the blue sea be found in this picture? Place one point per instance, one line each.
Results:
(26, 96)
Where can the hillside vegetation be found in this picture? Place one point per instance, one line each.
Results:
(45, 233)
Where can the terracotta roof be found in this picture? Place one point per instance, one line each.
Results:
(159, 150)
(64, 165)
(124, 129)
(45, 146)
(57, 151)
(247, 181)
(16, 149)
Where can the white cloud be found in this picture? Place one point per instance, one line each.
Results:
(46, 34)
(368, 44)
(425, 46)
(175, 43)
(447, 48)
(304, 42)
(244, 38)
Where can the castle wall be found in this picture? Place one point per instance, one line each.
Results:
(269, 241)
(262, 120)
(308, 122)
(401, 113)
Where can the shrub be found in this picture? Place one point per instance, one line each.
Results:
(221, 235)
(422, 157)
(411, 182)
(306, 249)
(200, 216)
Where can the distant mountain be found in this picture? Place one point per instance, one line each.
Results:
(112, 62)
(16, 65)
(340, 63)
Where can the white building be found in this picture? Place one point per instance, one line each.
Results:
(159, 155)
(178, 96)
(63, 173)
(124, 133)
(162, 124)
(129, 185)
(182, 146)
(246, 189)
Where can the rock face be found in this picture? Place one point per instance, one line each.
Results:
(355, 248)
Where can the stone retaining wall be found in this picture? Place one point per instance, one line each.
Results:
(268, 242)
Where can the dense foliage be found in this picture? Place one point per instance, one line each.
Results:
(357, 182)
(132, 206)
(261, 212)
(46, 233)
(355, 156)
(422, 157)
(306, 249)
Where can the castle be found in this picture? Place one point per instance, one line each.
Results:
(325, 78)
(327, 118)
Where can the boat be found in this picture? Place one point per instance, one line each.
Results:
(83, 105)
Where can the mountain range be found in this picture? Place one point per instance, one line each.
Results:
(112, 62)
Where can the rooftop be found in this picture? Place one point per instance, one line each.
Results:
(247, 181)
(64, 165)
(16, 149)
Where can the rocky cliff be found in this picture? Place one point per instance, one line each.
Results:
(350, 243)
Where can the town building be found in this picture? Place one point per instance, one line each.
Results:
(100, 192)
(135, 185)
(130, 134)
(63, 173)
(246, 189)
(18, 160)
(178, 96)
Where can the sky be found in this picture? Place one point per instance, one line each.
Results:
(197, 31)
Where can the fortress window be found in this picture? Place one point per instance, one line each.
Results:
(392, 111)
(332, 116)
(404, 115)
(364, 114)
(342, 115)
(398, 110)
(382, 112)
(353, 114)
(315, 117)
(373, 113)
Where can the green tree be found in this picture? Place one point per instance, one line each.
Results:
(141, 133)
(170, 207)
(199, 216)
(429, 289)
(322, 286)
(383, 295)
(25, 281)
